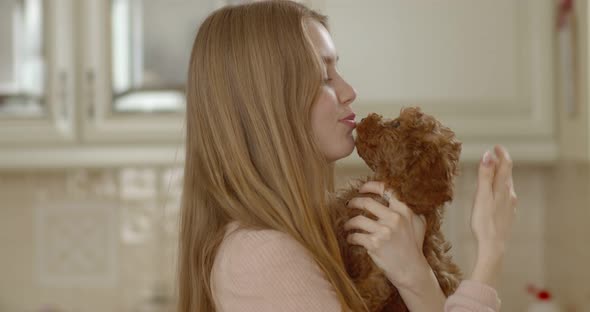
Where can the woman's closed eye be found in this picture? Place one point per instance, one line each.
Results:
(330, 74)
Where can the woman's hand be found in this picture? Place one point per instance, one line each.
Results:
(394, 241)
(493, 213)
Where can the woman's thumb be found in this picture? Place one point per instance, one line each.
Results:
(486, 172)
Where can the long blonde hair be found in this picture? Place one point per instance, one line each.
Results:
(250, 152)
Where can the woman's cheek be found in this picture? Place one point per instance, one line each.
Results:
(329, 92)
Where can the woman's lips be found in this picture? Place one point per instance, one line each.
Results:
(349, 122)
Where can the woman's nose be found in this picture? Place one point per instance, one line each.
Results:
(347, 93)
(350, 95)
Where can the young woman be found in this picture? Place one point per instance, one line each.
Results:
(266, 120)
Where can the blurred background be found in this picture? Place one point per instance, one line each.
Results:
(91, 135)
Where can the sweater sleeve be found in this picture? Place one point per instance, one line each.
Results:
(473, 296)
(259, 271)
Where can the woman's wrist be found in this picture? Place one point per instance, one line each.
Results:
(414, 276)
(418, 277)
(491, 246)
(423, 285)
(488, 265)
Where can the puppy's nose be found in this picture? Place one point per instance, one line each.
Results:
(362, 119)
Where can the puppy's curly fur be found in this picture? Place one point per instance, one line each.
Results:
(417, 157)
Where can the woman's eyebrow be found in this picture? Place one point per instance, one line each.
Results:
(329, 59)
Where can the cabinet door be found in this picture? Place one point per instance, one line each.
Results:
(482, 67)
(36, 69)
(136, 59)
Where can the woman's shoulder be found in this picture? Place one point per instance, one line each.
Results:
(263, 255)
(255, 247)
(235, 232)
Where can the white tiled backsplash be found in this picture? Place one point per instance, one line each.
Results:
(103, 240)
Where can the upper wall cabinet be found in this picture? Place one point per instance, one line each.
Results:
(99, 82)
(36, 72)
(485, 68)
(136, 56)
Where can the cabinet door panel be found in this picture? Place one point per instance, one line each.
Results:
(36, 68)
(136, 56)
(483, 67)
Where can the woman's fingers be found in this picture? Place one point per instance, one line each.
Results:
(513, 192)
(375, 187)
(503, 178)
(419, 230)
(363, 223)
(371, 206)
(378, 187)
(485, 176)
(365, 240)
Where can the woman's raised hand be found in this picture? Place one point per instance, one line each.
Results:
(493, 213)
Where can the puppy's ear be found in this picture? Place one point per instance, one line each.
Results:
(430, 176)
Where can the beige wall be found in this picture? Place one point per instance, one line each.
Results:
(567, 235)
(107, 257)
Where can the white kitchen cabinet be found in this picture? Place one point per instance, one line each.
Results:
(136, 55)
(574, 124)
(36, 72)
(485, 68)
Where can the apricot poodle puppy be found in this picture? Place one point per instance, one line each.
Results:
(417, 157)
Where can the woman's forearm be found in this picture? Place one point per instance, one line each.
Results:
(425, 294)
(488, 265)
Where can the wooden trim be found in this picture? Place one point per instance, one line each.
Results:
(169, 155)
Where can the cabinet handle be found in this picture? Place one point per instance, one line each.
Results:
(90, 93)
(63, 94)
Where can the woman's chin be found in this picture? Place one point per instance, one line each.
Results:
(343, 152)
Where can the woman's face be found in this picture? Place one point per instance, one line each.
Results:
(332, 118)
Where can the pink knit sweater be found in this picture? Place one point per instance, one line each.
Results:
(266, 270)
